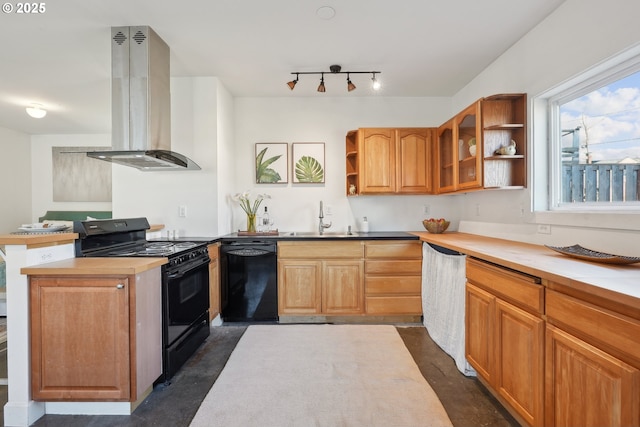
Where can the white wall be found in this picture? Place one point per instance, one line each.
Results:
(158, 195)
(577, 36)
(225, 156)
(15, 180)
(42, 172)
(326, 119)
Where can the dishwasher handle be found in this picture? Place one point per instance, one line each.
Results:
(249, 252)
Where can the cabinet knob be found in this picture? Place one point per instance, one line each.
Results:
(120, 286)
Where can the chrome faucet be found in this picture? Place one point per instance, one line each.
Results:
(321, 224)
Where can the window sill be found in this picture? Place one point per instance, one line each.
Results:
(626, 220)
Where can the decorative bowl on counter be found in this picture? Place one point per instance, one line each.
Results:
(435, 226)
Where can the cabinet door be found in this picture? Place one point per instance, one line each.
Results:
(343, 290)
(586, 386)
(446, 152)
(479, 336)
(299, 287)
(519, 372)
(80, 338)
(467, 128)
(377, 156)
(413, 154)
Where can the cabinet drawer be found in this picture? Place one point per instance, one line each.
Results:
(518, 288)
(408, 267)
(394, 305)
(613, 332)
(320, 250)
(396, 285)
(395, 249)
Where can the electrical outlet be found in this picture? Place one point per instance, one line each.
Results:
(478, 209)
(328, 210)
(182, 211)
(544, 229)
(425, 210)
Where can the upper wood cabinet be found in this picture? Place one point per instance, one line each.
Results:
(389, 161)
(504, 122)
(487, 125)
(459, 168)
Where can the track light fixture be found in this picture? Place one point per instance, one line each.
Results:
(336, 69)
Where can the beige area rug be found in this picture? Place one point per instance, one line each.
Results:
(321, 375)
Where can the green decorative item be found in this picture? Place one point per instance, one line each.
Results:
(265, 174)
(309, 169)
(251, 223)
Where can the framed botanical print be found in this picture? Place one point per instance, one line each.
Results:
(272, 163)
(307, 162)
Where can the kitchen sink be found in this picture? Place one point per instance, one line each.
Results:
(326, 234)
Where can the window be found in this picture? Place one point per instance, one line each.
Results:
(595, 141)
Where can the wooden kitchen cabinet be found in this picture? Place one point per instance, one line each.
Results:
(592, 366)
(504, 119)
(493, 122)
(95, 338)
(389, 161)
(457, 168)
(505, 336)
(320, 278)
(466, 128)
(214, 280)
(446, 152)
(393, 277)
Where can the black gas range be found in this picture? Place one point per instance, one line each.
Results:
(185, 280)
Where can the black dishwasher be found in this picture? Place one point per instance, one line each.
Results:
(249, 285)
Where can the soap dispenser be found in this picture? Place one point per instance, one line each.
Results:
(364, 228)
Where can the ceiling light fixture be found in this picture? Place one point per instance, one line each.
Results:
(292, 83)
(321, 88)
(375, 83)
(36, 111)
(350, 86)
(336, 69)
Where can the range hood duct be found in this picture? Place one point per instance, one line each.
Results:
(141, 103)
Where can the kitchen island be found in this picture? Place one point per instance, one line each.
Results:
(96, 336)
(28, 251)
(550, 335)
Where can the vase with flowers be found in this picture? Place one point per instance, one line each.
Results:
(250, 207)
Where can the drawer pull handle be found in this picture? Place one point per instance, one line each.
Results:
(120, 286)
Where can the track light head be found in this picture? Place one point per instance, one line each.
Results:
(350, 86)
(292, 83)
(321, 88)
(375, 83)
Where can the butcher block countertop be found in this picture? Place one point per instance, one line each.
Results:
(94, 266)
(617, 283)
(38, 239)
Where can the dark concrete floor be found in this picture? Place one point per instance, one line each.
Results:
(466, 401)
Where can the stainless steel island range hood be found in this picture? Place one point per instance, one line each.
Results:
(141, 103)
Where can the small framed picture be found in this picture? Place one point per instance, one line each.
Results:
(272, 163)
(307, 162)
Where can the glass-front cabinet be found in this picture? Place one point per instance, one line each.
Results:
(459, 152)
(468, 135)
(446, 152)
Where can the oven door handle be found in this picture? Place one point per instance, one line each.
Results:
(180, 272)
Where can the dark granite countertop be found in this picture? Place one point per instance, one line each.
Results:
(378, 235)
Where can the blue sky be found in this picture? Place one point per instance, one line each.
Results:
(610, 116)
